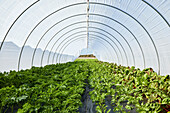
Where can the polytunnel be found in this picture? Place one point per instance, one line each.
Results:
(42, 42)
(37, 33)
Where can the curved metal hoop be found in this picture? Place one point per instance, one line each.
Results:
(97, 4)
(77, 28)
(68, 44)
(107, 49)
(15, 22)
(96, 23)
(104, 25)
(156, 50)
(157, 12)
(93, 35)
(98, 41)
(77, 40)
(40, 23)
(71, 39)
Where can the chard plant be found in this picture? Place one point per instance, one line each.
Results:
(59, 88)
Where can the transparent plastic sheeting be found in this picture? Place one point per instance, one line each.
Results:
(126, 32)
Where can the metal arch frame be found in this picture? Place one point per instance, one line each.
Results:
(99, 38)
(68, 45)
(91, 34)
(71, 30)
(48, 31)
(98, 33)
(125, 38)
(72, 35)
(81, 22)
(157, 54)
(58, 55)
(157, 12)
(99, 46)
(106, 55)
(69, 40)
(107, 26)
(112, 29)
(16, 21)
(65, 7)
(103, 24)
(90, 3)
(80, 39)
(56, 12)
(97, 23)
(75, 34)
(98, 41)
(58, 59)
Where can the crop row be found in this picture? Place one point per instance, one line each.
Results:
(53, 88)
(130, 89)
(59, 88)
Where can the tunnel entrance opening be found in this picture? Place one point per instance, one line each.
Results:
(88, 56)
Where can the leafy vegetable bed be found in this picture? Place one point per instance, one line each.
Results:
(130, 88)
(59, 88)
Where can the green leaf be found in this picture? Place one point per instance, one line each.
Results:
(165, 101)
(146, 108)
(20, 111)
(109, 111)
(98, 109)
(22, 97)
(128, 107)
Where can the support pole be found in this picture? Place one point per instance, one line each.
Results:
(87, 23)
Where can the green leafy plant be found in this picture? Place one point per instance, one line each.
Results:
(59, 88)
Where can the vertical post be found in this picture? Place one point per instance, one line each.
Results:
(87, 23)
